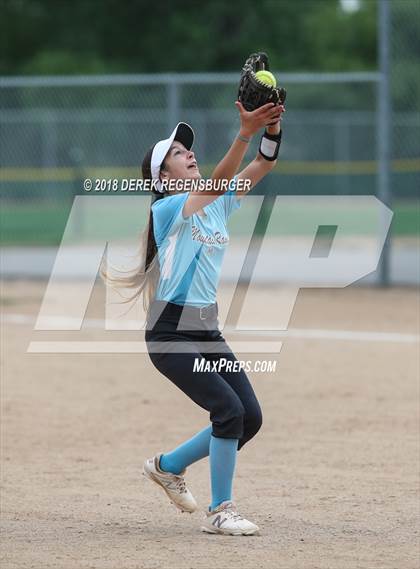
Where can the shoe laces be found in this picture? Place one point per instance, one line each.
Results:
(180, 484)
(232, 514)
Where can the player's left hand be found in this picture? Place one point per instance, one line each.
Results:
(281, 109)
(253, 121)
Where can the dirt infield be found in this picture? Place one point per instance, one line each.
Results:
(331, 479)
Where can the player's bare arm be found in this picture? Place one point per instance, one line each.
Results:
(260, 104)
(251, 123)
(260, 166)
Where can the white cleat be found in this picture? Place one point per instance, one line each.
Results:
(226, 520)
(173, 484)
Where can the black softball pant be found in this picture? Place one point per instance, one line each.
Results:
(228, 395)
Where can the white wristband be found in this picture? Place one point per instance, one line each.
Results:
(268, 147)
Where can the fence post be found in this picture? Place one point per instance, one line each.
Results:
(383, 129)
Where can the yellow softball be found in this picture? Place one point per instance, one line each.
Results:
(266, 77)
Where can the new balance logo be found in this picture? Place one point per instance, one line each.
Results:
(218, 521)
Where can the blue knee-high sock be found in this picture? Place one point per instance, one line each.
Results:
(222, 467)
(192, 450)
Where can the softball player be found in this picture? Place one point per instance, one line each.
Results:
(184, 242)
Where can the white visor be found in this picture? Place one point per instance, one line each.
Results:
(184, 134)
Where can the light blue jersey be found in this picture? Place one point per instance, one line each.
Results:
(191, 250)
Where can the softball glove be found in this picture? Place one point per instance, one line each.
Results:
(253, 93)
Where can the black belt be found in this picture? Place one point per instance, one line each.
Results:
(161, 309)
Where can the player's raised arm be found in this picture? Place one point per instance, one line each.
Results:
(260, 104)
(266, 157)
(251, 123)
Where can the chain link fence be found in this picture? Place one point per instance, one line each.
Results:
(404, 54)
(56, 131)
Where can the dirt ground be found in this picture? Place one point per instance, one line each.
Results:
(331, 479)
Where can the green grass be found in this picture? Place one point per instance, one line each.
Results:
(407, 219)
(33, 225)
(44, 224)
